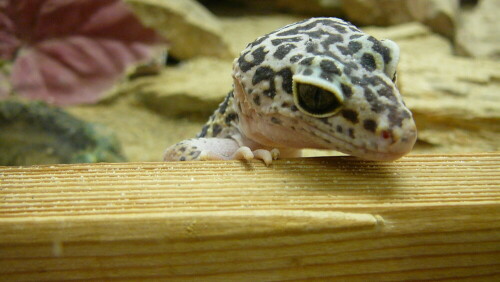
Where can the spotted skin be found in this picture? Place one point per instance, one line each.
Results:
(319, 83)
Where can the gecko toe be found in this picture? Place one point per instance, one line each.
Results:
(265, 155)
(243, 153)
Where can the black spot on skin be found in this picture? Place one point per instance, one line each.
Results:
(347, 70)
(307, 72)
(329, 67)
(369, 96)
(216, 129)
(326, 76)
(395, 118)
(258, 57)
(256, 100)
(280, 41)
(370, 125)
(286, 74)
(345, 51)
(223, 106)
(387, 92)
(356, 80)
(315, 34)
(231, 117)
(203, 132)
(312, 48)
(346, 90)
(307, 61)
(350, 115)
(283, 50)
(182, 159)
(285, 105)
(258, 41)
(351, 133)
(381, 49)
(368, 62)
(182, 149)
(267, 74)
(294, 108)
(339, 129)
(295, 58)
(355, 36)
(325, 120)
(339, 28)
(275, 120)
(331, 39)
(194, 154)
(348, 67)
(375, 80)
(354, 46)
(298, 28)
(376, 105)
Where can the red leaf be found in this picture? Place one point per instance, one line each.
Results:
(70, 51)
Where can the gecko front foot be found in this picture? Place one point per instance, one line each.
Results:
(205, 149)
(261, 154)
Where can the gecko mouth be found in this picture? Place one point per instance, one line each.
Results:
(396, 150)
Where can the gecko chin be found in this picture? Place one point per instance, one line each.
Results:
(384, 146)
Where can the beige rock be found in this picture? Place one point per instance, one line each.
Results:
(478, 34)
(143, 134)
(439, 15)
(310, 7)
(194, 88)
(376, 12)
(242, 30)
(189, 27)
(314, 7)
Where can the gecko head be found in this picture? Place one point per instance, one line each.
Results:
(355, 107)
(322, 83)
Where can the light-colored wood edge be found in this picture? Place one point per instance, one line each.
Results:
(422, 217)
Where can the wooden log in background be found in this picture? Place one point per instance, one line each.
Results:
(422, 217)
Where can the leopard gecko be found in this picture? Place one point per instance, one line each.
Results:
(320, 83)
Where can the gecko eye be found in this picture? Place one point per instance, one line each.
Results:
(316, 101)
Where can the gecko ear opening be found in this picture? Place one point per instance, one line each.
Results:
(316, 101)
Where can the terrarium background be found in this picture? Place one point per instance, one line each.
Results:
(449, 71)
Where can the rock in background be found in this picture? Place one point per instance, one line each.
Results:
(455, 99)
(478, 33)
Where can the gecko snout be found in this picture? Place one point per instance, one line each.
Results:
(397, 142)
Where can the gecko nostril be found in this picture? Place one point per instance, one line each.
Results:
(386, 134)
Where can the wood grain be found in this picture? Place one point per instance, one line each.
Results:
(422, 217)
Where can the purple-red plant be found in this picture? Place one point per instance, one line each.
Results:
(69, 51)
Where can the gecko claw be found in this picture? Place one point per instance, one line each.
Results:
(243, 153)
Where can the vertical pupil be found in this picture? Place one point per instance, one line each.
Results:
(316, 100)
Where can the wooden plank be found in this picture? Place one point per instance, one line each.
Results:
(422, 217)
